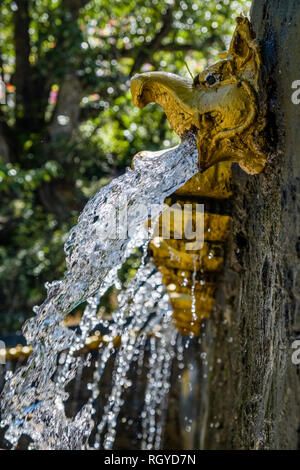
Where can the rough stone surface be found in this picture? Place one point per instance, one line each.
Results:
(254, 394)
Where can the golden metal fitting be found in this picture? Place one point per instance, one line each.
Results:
(184, 271)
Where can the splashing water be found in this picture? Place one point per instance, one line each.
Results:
(33, 399)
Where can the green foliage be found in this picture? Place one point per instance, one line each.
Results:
(57, 152)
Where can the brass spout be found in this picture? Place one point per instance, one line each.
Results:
(221, 104)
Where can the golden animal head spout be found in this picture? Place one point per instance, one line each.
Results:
(221, 104)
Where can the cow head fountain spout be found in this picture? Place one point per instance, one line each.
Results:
(221, 104)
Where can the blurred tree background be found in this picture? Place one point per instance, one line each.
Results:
(68, 125)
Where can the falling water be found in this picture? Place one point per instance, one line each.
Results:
(33, 399)
(158, 383)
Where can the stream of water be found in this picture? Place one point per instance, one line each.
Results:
(33, 398)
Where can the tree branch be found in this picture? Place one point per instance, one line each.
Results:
(22, 51)
(145, 52)
(68, 107)
(74, 6)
